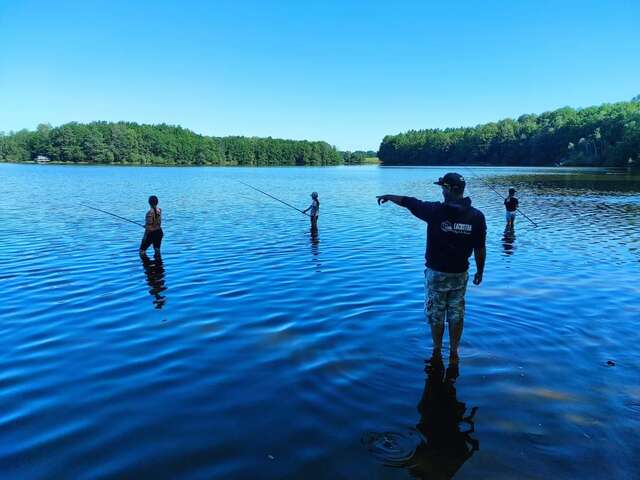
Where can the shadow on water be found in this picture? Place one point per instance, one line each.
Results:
(441, 441)
(154, 271)
(610, 181)
(508, 240)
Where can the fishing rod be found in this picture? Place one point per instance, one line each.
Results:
(113, 215)
(271, 196)
(499, 194)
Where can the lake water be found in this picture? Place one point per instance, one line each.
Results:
(255, 350)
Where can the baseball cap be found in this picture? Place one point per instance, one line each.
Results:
(452, 180)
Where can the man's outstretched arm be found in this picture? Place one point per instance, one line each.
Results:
(480, 255)
(397, 199)
(422, 210)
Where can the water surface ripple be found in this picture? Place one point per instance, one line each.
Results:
(253, 349)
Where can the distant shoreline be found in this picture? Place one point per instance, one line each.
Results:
(163, 165)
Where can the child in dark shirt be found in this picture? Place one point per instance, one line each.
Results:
(511, 204)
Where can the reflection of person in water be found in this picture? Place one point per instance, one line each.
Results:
(154, 270)
(508, 240)
(315, 242)
(446, 444)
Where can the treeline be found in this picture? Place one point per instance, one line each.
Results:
(358, 157)
(131, 143)
(607, 135)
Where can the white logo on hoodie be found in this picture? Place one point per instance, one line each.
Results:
(459, 228)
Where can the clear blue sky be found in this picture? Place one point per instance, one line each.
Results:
(345, 72)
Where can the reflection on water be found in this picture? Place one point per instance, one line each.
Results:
(268, 369)
(445, 426)
(441, 441)
(574, 181)
(314, 241)
(508, 240)
(154, 271)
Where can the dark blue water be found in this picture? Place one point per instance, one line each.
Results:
(255, 350)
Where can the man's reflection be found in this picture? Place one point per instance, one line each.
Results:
(154, 270)
(508, 239)
(445, 429)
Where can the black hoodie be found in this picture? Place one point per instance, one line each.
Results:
(454, 229)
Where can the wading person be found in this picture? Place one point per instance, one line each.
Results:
(152, 228)
(455, 230)
(314, 210)
(511, 204)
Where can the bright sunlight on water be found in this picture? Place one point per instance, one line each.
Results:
(255, 350)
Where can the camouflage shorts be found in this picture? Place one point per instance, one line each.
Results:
(444, 296)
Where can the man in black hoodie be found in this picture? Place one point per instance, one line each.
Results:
(455, 230)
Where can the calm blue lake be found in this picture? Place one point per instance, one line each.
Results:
(253, 349)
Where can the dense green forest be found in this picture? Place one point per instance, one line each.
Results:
(359, 157)
(131, 143)
(607, 135)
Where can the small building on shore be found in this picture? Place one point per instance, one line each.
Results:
(42, 159)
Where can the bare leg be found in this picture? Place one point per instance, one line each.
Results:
(437, 332)
(435, 310)
(455, 318)
(455, 334)
(143, 244)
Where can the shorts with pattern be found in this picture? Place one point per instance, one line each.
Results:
(444, 294)
(510, 216)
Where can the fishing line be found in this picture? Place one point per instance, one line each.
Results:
(271, 196)
(499, 194)
(112, 214)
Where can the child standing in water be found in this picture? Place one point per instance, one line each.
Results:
(511, 204)
(314, 209)
(152, 228)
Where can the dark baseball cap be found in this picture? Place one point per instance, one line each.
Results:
(452, 180)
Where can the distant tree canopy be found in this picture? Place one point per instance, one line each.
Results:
(608, 135)
(131, 143)
(358, 157)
